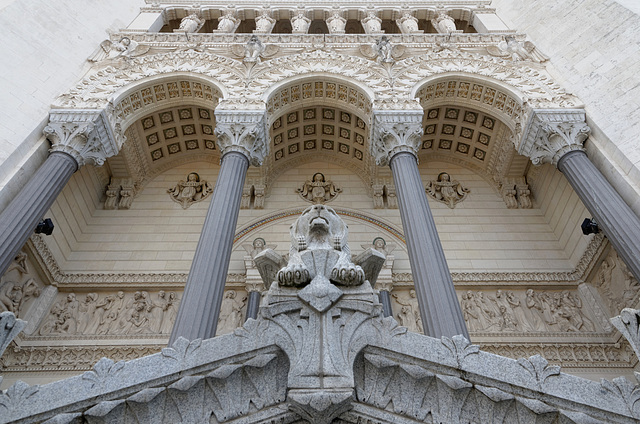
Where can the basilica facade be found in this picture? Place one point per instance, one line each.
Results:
(173, 156)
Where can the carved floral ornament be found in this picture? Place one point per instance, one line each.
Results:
(450, 192)
(191, 191)
(318, 190)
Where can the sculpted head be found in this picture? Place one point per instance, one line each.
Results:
(319, 224)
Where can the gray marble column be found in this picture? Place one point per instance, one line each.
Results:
(614, 217)
(253, 303)
(385, 298)
(19, 219)
(77, 138)
(396, 142)
(557, 136)
(242, 140)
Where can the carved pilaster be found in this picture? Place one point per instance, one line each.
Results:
(395, 132)
(244, 132)
(550, 134)
(85, 135)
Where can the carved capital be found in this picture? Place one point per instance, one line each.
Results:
(552, 133)
(395, 132)
(85, 135)
(244, 132)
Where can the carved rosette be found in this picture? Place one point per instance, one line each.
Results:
(244, 132)
(550, 134)
(85, 135)
(395, 132)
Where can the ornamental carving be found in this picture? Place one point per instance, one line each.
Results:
(616, 284)
(194, 190)
(318, 190)
(18, 287)
(121, 313)
(450, 192)
(244, 132)
(395, 132)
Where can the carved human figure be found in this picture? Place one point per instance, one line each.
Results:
(157, 311)
(444, 23)
(336, 23)
(253, 49)
(63, 317)
(170, 314)
(258, 245)
(300, 23)
(227, 22)
(470, 311)
(16, 286)
(487, 316)
(86, 311)
(264, 22)
(191, 191)
(372, 24)
(446, 191)
(408, 24)
(230, 312)
(318, 190)
(191, 23)
(383, 49)
(570, 308)
(518, 50)
(409, 315)
(381, 246)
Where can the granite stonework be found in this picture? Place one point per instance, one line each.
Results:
(321, 351)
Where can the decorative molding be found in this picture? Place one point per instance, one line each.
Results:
(450, 192)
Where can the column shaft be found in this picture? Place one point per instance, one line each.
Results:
(200, 305)
(439, 306)
(614, 217)
(385, 299)
(19, 219)
(253, 303)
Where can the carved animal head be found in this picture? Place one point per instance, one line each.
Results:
(317, 225)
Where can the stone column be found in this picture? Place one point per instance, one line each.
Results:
(557, 137)
(396, 140)
(254, 287)
(77, 138)
(242, 141)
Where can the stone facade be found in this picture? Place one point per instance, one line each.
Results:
(317, 100)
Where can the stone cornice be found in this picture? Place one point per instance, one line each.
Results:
(551, 133)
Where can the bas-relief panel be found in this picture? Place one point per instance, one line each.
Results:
(127, 313)
(20, 286)
(527, 311)
(615, 284)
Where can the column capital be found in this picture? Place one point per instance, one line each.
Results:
(551, 133)
(395, 131)
(84, 134)
(243, 131)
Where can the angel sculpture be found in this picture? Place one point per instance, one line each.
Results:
(259, 245)
(318, 190)
(517, 50)
(383, 49)
(126, 48)
(446, 191)
(191, 191)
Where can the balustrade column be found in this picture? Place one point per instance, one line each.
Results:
(78, 138)
(396, 142)
(242, 140)
(557, 137)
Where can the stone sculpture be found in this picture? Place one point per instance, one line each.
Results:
(517, 50)
(125, 48)
(444, 23)
(383, 49)
(191, 191)
(300, 23)
(336, 23)
(17, 287)
(264, 23)
(409, 315)
(408, 24)
(317, 190)
(191, 23)
(446, 191)
(231, 312)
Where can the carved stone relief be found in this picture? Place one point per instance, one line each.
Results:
(253, 195)
(191, 191)
(532, 311)
(517, 50)
(319, 190)
(447, 191)
(191, 23)
(232, 312)
(615, 284)
(407, 311)
(384, 195)
(516, 193)
(111, 314)
(18, 287)
(119, 194)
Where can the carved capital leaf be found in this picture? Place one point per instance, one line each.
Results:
(539, 369)
(85, 135)
(244, 132)
(395, 132)
(551, 133)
